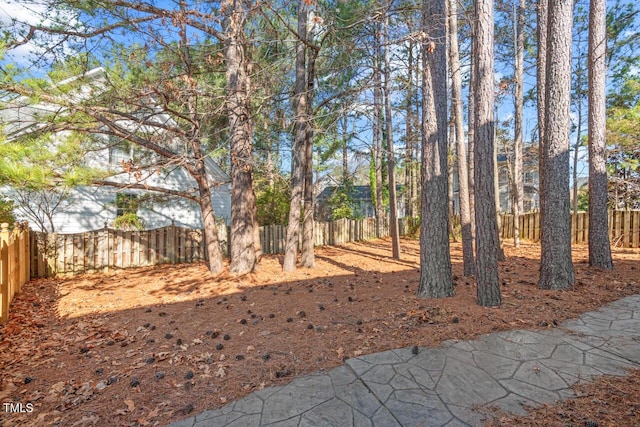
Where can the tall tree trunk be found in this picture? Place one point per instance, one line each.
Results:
(471, 124)
(307, 257)
(408, 154)
(518, 184)
(579, 95)
(496, 185)
(377, 134)
(271, 176)
(599, 245)
(451, 167)
(214, 256)
(391, 162)
(461, 149)
(243, 251)
(416, 182)
(541, 77)
(576, 152)
(198, 169)
(556, 266)
(299, 148)
(435, 260)
(487, 244)
(345, 149)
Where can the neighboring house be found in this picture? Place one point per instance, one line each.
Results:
(92, 207)
(531, 196)
(530, 179)
(362, 202)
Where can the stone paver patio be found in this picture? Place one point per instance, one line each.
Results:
(445, 386)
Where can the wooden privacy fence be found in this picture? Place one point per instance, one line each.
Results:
(109, 248)
(273, 237)
(14, 264)
(624, 227)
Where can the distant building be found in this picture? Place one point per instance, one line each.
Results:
(92, 207)
(531, 196)
(362, 202)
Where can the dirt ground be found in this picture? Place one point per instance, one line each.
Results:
(150, 346)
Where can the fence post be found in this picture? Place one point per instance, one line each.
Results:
(27, 251)
(171, 242)
(24, 256)
(4, 272)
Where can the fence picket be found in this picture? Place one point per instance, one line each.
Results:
(626, 227)
(635, 233)
(15, 264)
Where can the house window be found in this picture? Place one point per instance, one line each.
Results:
(126, 204)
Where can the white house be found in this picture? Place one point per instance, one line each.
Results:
(93, 207)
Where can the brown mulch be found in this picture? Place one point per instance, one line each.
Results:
(153, 345)
(607, 402)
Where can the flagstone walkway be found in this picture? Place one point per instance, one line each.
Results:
(443, 386)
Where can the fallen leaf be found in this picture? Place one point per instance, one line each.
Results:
(162, 355)
(220, 373)
(130, 405)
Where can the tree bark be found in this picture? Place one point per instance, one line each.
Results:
(377, 133)
(488, 286)
(345, 149)
(576, 152)
(435, 261)
(578, 96)
(451, 167)
(391, 163)
(408, 155)
(416, 181)
(496, 187)
(299, 148)
(599, 244)
(214, 256)
(518, 185)
(243, 251)
(541, 77)
(556, 267)
(461, 148)
(471, 125)
(307, 257)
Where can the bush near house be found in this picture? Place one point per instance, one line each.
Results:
(6, 211)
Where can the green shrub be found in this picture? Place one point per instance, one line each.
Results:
(6, 211)
(273, 205)
(128, 221)
(341, 203)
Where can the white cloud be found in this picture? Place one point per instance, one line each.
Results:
(16, 17)
(27, 13)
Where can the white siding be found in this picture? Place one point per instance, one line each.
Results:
(91, 207)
